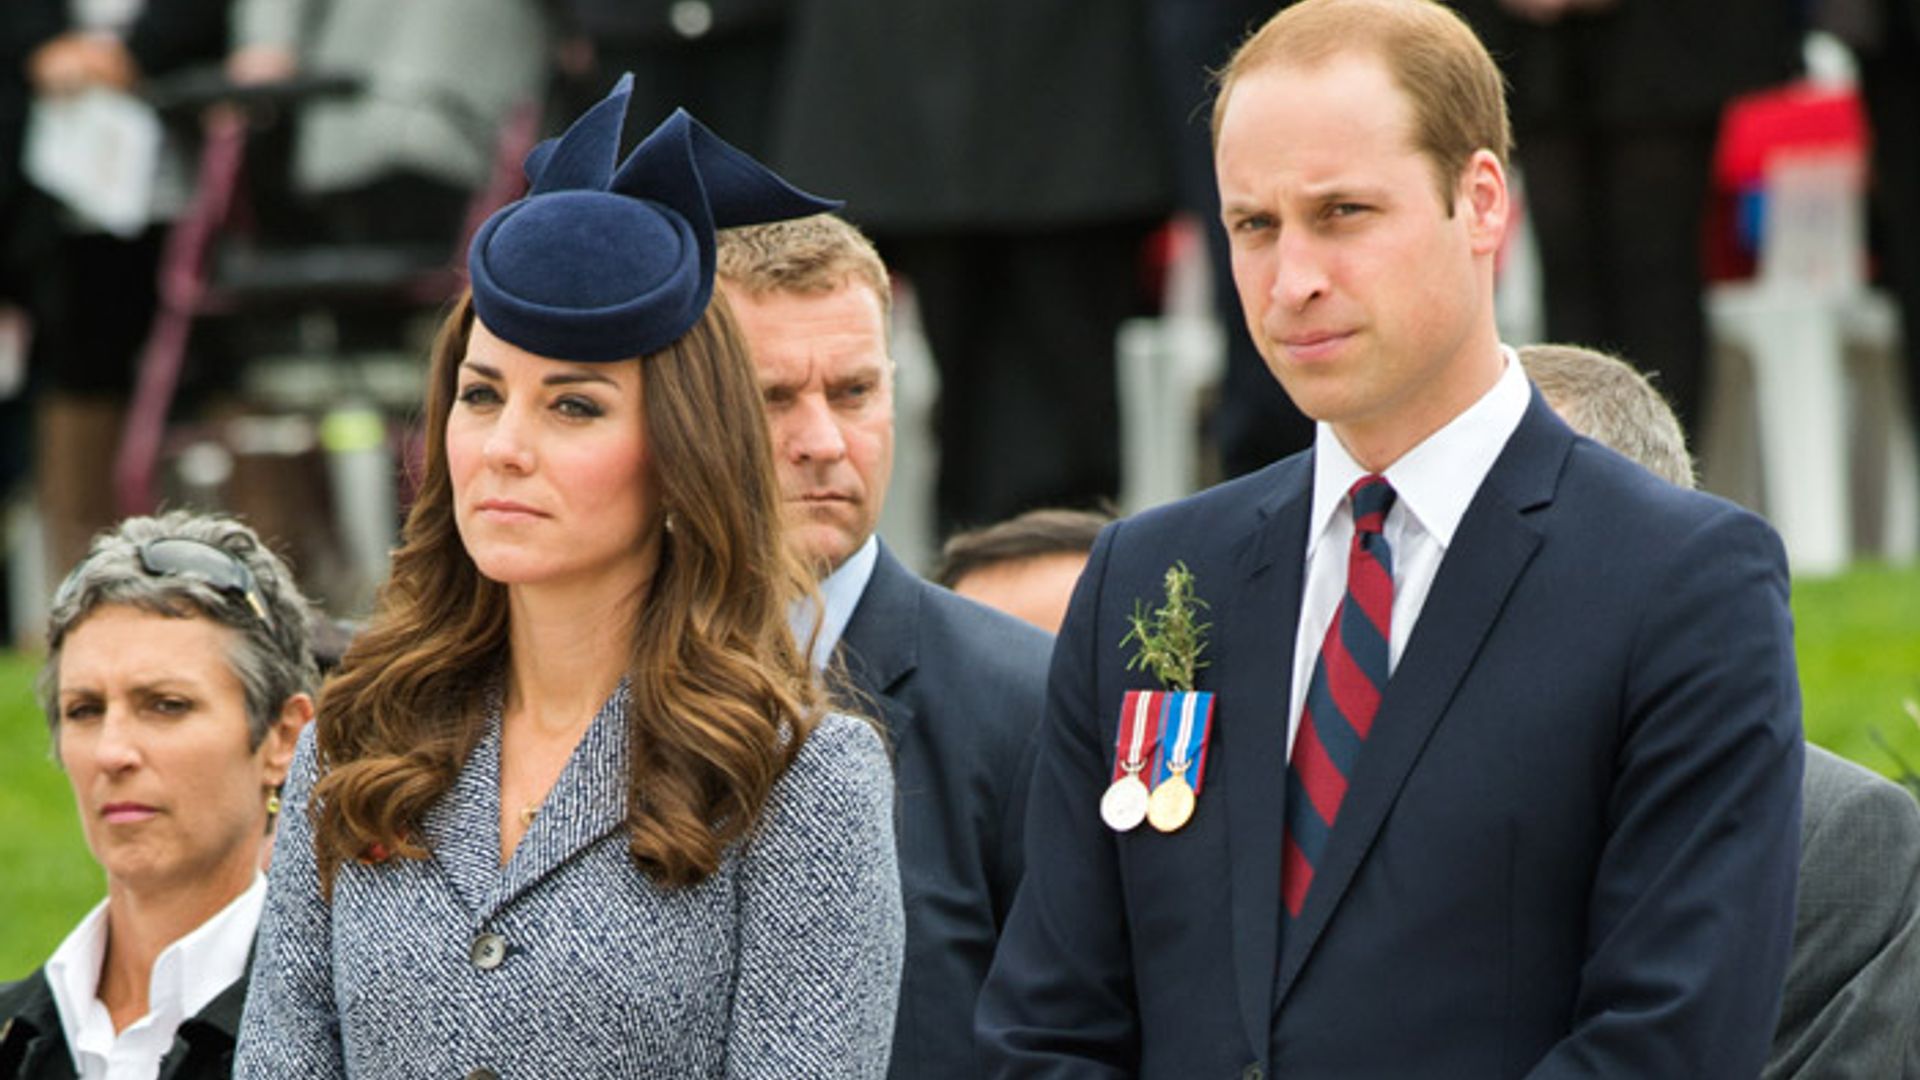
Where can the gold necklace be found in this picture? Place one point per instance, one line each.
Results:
(528, 813)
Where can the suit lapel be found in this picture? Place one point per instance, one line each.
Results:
(881, 645)
(1255, 665)
(1490, 550)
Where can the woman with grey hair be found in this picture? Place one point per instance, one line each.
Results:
(178, 677)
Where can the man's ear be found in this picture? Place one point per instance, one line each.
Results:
(1483, 198)
(277, 748)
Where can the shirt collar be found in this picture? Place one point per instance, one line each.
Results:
(1436, 480)
(73, 974)
(187, 975)
(840, 592)
(196, 968)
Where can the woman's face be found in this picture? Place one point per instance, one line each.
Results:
(153, 737)
(549, 466)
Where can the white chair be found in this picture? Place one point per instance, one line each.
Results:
(1817, 424)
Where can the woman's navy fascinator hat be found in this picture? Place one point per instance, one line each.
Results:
(596, 263)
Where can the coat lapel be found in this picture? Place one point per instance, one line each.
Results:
(462, 827)
(1254, 659)
(587, 802)
(1490, 550)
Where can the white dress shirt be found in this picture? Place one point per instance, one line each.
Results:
(186, 978)
(1435, 482)
(840, 592)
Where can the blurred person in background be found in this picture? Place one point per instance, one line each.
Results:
(1616, 105)
(177, 680)
(1254, 422)
(1854, 974)
(1025, 566)
(1007, 158)
(96, 295)
(575, 765)
(397, 159)
(719, 59)
(25, 229)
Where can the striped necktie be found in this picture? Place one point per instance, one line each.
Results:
(1343, 694)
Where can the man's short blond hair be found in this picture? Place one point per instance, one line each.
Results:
(1605, 399)
(1458, 96)
(808, 255)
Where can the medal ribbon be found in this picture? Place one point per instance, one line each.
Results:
(1139, 733)
(1188, 745)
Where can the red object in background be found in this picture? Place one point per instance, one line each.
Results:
(1797, 118)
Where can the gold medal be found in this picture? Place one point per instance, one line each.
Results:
(1171, 804)
(1124, 806)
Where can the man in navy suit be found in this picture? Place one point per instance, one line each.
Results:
(959, 687)
(1848, 1006)
(1503, 766)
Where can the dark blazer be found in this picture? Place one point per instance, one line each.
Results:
(960, 688)
(932, 115)
(33, 1046)
(1642, 61)
(1568, 848)
(1852, 1003)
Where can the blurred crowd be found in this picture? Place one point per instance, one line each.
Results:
(1017, 162)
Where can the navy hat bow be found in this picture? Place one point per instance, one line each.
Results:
(597, 263)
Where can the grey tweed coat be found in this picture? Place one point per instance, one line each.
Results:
(567, 961)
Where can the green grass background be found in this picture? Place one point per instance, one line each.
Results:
(1859, 647)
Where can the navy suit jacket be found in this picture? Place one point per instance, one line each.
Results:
(1569, 845)
(960, 688)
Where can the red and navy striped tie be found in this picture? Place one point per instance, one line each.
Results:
(1343, 694)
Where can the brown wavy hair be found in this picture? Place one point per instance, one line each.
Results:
(722, 697)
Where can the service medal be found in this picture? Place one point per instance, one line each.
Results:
(1124, 806)
(1171, 804)
(1182, 755)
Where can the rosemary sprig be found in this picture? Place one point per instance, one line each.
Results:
(1171, 637)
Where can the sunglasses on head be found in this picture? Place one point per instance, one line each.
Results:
(179, 557)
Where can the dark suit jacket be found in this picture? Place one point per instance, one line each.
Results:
(33, 1046)
(960, 688)
(935, 115)
(1643, 61)
(1852, 1004)
(1568, 848)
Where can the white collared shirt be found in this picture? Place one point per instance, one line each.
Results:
(186, 977)
(1435, 482)
(840, 592)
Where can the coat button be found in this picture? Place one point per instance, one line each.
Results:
(483, 1074)
(488, 951)
(1252, 1072)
